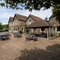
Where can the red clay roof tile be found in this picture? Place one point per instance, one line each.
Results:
(21, 17)
(35, 17)
(38, 24)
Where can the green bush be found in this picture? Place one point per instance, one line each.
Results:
(20, 32)
(57, 34)
(6, 29)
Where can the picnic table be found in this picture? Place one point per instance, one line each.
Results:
(31, 37)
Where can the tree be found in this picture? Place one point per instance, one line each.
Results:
(35, 4)
(56, 12)
(1, 26)
(31, 4)
(5, 27)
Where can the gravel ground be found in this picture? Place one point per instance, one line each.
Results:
(11, 49)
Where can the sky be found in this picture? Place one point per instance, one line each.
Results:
(5, 13)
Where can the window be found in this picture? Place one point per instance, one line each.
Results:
(14, 28)
(29, 21)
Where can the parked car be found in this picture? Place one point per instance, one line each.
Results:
(8, 33)
(17, 34)
(31, 37)
(4, 37)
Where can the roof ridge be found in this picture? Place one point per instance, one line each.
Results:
(35, 17)
(20, 15)
(10, 19)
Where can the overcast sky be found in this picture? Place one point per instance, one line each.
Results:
(6, 13)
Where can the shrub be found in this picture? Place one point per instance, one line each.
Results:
(20, 32)
(6, 29)
(59, 34)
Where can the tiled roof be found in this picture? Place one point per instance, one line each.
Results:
(11, 19)
(38, 24)
(35, 17)
(47, 21)
(21, 17)
(57, 25)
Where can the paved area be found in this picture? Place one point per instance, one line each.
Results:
(11, 49)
